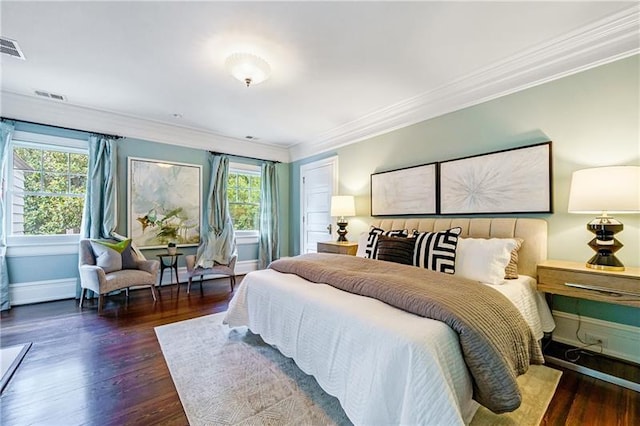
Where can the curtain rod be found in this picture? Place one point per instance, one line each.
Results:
(62, 127)
(243, 156)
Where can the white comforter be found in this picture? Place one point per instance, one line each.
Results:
(530, 302)
(384, 365)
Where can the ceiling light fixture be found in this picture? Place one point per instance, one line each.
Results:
(248, 68)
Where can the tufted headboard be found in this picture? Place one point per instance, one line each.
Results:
(532, 231)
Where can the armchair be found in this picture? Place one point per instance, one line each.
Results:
(193, 271)
(105, 280)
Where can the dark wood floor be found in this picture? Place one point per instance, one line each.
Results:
(109, 370)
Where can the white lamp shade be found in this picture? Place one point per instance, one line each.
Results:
(248, 68)
(343, 205)
(605, 189)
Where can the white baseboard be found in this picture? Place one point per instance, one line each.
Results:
(246, 266)
(45, 291)
(42, 291)
(593, 373)
(622, 341)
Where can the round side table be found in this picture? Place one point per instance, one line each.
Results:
(170, 263)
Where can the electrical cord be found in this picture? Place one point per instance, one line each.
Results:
(546, 341)
(580, 351)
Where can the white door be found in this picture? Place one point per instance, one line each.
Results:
(318, 182)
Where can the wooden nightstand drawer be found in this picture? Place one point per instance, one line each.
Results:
(347, 247)
(576, 280)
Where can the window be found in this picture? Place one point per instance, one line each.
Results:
(48, 184)
(243, 192)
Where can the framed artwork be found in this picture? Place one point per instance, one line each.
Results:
(511, 181)
(409, 191)
(164, 203)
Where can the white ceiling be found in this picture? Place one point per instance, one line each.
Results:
(341, 71)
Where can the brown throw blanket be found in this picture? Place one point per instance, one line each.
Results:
(497, 343)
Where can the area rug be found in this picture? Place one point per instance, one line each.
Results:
(10, 359)
(231, 377)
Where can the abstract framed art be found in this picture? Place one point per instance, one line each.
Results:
(511, 181)
(408, 191)
(164, 203)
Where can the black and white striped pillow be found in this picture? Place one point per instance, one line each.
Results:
(437, 250)
(372, 241)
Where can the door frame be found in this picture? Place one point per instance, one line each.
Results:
(332, 161)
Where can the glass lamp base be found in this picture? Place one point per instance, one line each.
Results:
(342, 230)
(605, 244)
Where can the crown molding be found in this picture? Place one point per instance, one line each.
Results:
(30, 108)
(610, 39)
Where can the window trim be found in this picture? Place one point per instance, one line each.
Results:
(42, 139)
(247, 237)
(43, 248)
(51, 244)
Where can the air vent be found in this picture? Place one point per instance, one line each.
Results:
(11, 48)
(48, 95)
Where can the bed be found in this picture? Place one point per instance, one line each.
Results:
(385, 365)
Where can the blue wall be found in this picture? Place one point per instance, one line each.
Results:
(50, 267)
(592, 119)
(581, 114)
(151, 150)
(162, 152)
(42, 268)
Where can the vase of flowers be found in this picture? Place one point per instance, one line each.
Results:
(171, 248)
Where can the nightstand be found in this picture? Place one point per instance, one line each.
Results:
(574, 279)
(338, 247)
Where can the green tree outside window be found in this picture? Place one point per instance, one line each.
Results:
(48, 190)
(243, 192)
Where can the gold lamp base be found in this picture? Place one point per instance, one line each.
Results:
(602, 267)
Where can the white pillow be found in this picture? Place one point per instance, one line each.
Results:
(106, 257)
(362, 244)
(482, 259)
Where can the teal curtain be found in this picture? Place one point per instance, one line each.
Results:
(7, 133)
(218, 241)
(99, 218)
(269, 246)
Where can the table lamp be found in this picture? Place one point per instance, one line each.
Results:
(341, 206)
(604, 190)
